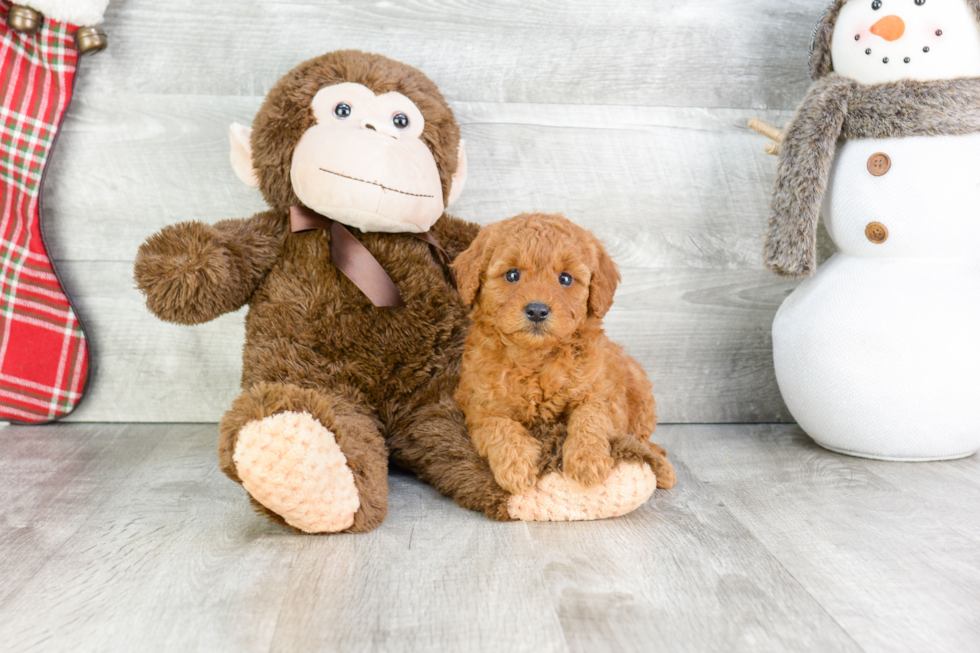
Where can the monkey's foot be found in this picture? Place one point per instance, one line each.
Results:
(292, 465)
(557, 498)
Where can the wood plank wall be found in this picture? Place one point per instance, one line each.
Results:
(628, 117)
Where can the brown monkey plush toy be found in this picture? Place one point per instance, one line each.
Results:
(354, 335)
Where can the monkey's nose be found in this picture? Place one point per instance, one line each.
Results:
(537, 312)
(889, 28)
(368, 125)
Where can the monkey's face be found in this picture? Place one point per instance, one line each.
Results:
(364, 164)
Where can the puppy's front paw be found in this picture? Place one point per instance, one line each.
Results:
(666, 478)
(589, 463)
(516, 468)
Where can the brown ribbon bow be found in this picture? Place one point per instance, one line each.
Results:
(353, 259)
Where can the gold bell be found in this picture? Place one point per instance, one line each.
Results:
(24, 19)
(90, 40)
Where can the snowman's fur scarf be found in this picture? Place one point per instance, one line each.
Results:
(837, 108)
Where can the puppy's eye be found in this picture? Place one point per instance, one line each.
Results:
(342, 110)
(513, 275)
(565, 279)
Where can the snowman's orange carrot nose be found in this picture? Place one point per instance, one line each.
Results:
(889, 28)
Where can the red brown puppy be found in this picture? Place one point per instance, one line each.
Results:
(536, 354)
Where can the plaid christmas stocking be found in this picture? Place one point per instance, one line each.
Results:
(43, 350)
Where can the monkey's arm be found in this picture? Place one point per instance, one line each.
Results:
(453, 234)
(193, 272)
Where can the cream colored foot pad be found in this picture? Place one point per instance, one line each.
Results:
(556, 498)
(293, 466)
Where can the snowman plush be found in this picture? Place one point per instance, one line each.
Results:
(877, 352)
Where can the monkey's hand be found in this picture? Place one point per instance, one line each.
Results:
(193, 272)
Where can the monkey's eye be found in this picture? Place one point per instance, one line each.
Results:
(342, 110)
(565, 279)
(513, 275)
(876, 5)
(400, 120)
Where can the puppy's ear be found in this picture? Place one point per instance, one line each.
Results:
(472, 264)
(605, 278)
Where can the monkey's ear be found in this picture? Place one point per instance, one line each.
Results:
(241, 154)
(602, 286)
(459, 177)
(471, 265)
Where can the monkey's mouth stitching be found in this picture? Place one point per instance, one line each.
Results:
(374, 183)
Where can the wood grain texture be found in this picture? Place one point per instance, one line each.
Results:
(703, 336)
(630, 118)
(646, 182)
(449, 580)
(663, 187)
(135, 573)
(680, 573)
(884, 547)
(44, 480)
(659, 53)
(126, 537)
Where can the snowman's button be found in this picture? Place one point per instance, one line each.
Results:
(879, 164)
(876, 232)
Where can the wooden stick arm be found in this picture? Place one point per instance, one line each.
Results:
(764, 128)
(776, 134)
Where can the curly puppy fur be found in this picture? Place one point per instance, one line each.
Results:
(381, 380)
(834, 109)
(523, 374)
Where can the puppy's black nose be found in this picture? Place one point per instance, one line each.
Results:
(537, 312)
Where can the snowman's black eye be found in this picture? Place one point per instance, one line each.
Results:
(920, 2)
(513, 276)
(868, 51)
(400, 120)
(342, 110)
(876, 5)
(565, 279)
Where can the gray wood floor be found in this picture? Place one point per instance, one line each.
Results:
(128, 538)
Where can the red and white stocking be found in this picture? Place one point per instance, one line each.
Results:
(43, 350)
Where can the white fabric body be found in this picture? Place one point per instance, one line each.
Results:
(77, 12)
(878, 354)
(929, 199)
